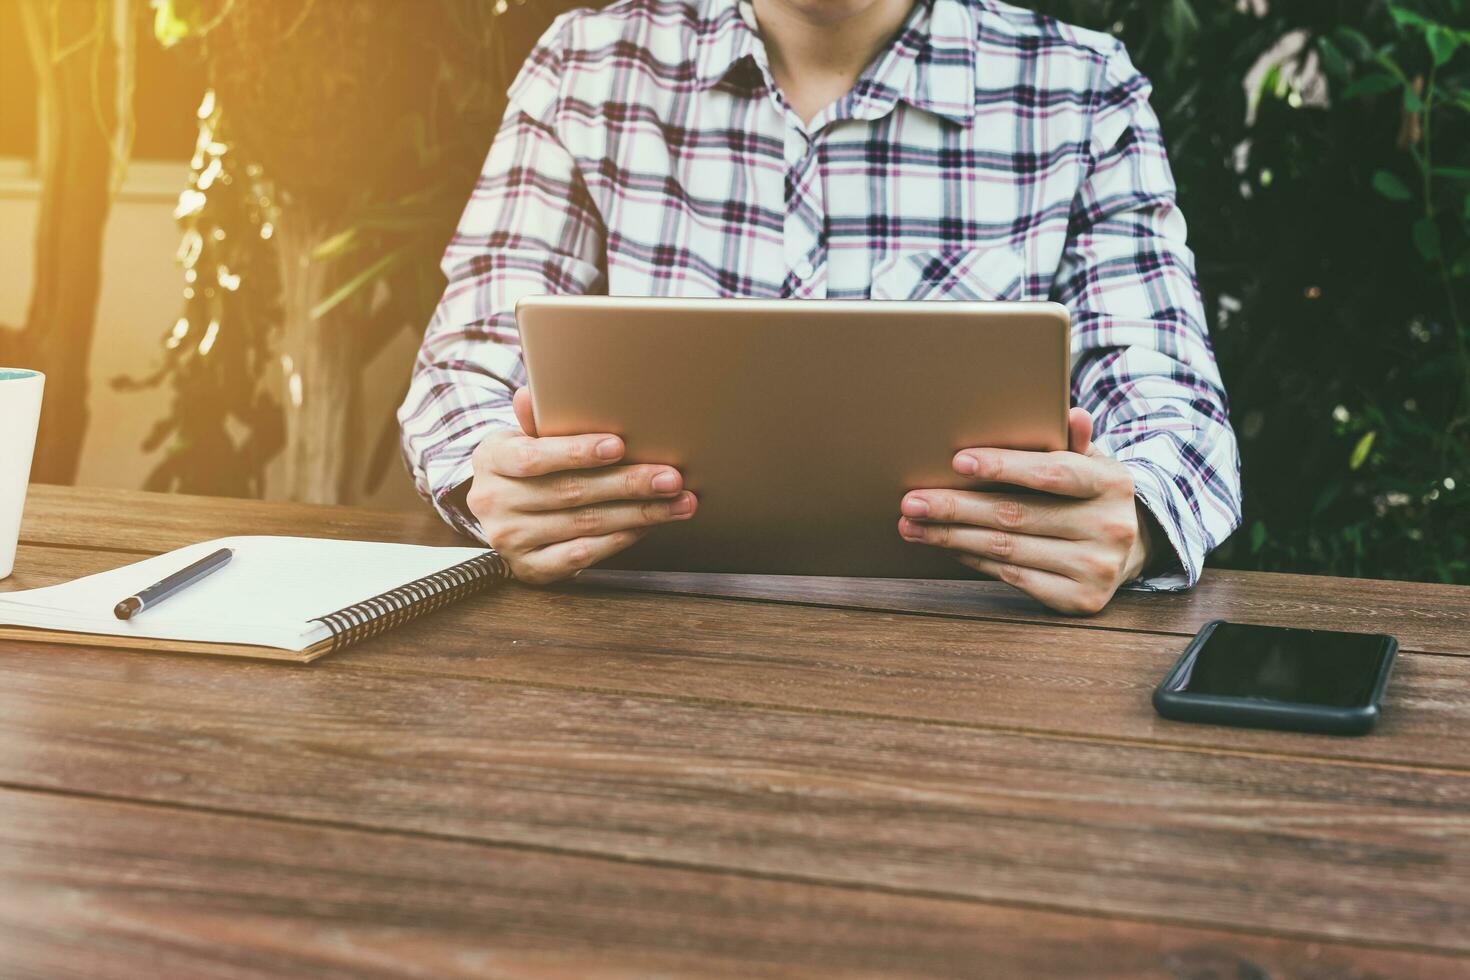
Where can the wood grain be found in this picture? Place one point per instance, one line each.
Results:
(1030, 677)
(37, 566)
(102, 889)
(1044, 679)
(839, 776)
(1297, 846)
(1424, 617)
(90, 517)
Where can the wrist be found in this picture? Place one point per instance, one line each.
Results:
(455, 506)
(1145, 545)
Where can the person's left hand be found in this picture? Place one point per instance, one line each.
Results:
(1070, 545)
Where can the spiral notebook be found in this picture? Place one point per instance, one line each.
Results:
(279, 598)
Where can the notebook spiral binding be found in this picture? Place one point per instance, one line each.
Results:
(368, 618)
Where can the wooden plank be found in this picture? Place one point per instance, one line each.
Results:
(102, 889)
(37, 566)
(1025, 677)
(1424, 616)
(1303, 847)
(1029, 677)
(91, 517)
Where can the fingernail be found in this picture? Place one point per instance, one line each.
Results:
(609, 449)
(683, 506)
(666, 482)
(967, 465)
(916, 507)
(910, 530)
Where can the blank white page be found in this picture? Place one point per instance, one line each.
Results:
(267, 595)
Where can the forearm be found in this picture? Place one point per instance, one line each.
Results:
(1142, 363)
(454, 400)
(1168, 426)
(529, 228)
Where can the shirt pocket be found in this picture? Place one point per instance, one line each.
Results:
(996, 272)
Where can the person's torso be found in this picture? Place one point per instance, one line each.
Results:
(950, 170)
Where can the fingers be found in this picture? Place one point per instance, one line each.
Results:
(519, 456)
(1079, 431)
(1048, 554)
(521, 402)
(537, 530)
(1021, 513)
(578, 488)
(563, 559)
(1065, 474)
(1055, 591)
(552, 506)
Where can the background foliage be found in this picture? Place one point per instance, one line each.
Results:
(1328, 204)
(364, 124)
(225, 423)
(1322, 150)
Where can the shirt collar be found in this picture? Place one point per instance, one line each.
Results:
(724, 40)
(930, 65)
(941, 76)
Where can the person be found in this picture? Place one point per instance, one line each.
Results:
(904, 149)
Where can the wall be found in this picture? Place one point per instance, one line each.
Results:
(140, 300)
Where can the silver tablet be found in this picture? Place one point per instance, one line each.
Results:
(799, 424)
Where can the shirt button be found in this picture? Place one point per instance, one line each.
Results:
(804, 269)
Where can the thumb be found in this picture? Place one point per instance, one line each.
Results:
(1079, 431)
(521, 402)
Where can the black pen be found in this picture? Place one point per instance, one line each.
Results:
(176, 582)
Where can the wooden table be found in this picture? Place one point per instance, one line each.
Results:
(807, 777)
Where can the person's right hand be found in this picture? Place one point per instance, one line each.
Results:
(553, 505)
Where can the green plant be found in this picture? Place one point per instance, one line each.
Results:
(392, 110)
(1327, 210)
(1414, 454)
(1327, 207)
(225, 424)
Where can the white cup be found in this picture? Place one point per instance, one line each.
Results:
(20, 412)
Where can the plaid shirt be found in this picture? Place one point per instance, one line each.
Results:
(988, 153)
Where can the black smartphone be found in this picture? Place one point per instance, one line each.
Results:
(1275, 677)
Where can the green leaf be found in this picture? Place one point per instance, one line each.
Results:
(1370, 85)
(1361, 450)
(1334, 61)
(1270, 83)
(351, 286)
(1442, 44)
(339, 244)
(1356, 44)
(1426, 238)
(1413, 102)
(1393, 67)
(1182, 19)
(1390, 186)
(1258, 536)
(1454, 173)
(1408, 18)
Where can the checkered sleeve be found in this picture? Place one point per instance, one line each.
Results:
(530, 228)
(1142, 361)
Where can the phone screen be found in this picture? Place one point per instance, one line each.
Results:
(1272, 663)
